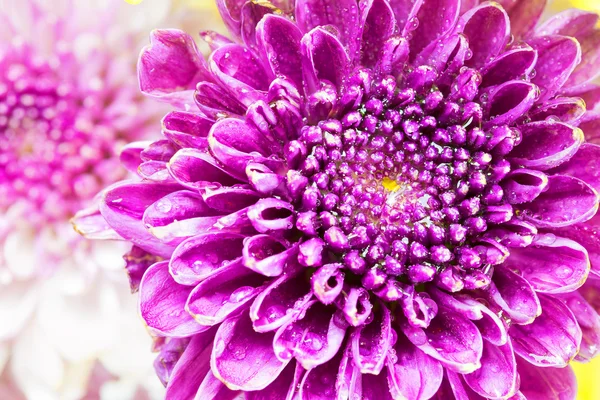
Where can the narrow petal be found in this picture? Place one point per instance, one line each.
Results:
(342, 14)
(573, 22)
(546, 144)
(312, 340)
(434, 19)
(588, 319)
(200, 256)
(490, 326)
(552, 264)
(323, 57)
(266, 255)
(162, 304)
(279, 41)
(215, 102)
(405, 10)
(524, 185)
(230, 11)
(497, 378)
(487, 28)
(179, 214)
(123, 207)
(223, 293)
(171, 66)
(281, 302)
(186, 129)
(235, 144)
(280, 388)
(509, 65)
(584, 165)
(374, 387)
(242, 358)
(509, 101)
(452, 339)
(552, 340)
(586, 71)
(371, 343)
(379, 25)
(412, 374)
(515, 296)
(192, 367)
(240, 73)
(229, 199)
(196, 169)
(547, 383)
(319, 383)
(566, 201)
(212, 388)
(525, 15)
(557, 58)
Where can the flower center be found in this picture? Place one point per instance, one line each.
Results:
(403, 176)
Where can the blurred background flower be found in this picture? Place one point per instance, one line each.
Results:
(69, 99)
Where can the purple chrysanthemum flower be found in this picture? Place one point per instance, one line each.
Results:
(370, 200)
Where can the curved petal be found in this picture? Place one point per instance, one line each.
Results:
(379, 25)
(547, 383)
(162, 304)
(282, 388)
(312, 340)
(515, 296)
(281, 302)
(451, 338)
(271, 215)
(509, 65)
(584, 165)
(566, 201)
(509, 101)
(525, 15)
(552, 264)
(434, 19)
(412, 374)
(196, 169)
(212, 388)
(266, 255)
(279, 41)
(192, 367)
(557, 58)
(215, 102)
(546, 144)
(497, 378)
(487, 28)
(524, 185)
(573, 22)
(342, 14)
(587, 70)
(186, 129)
(242, 358)
(235, 143)
(123, 206)
(319, 383)
(170, 67)
(200, 256)
(223, 293)
(371, 343)
(569, 110)
(179, 214)
(239, 72)
(229, 199)
(552, 340)
(588, 320)
(323, 57)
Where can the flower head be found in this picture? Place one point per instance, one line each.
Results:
(374, 199)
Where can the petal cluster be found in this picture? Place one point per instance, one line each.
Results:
(374, 199)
